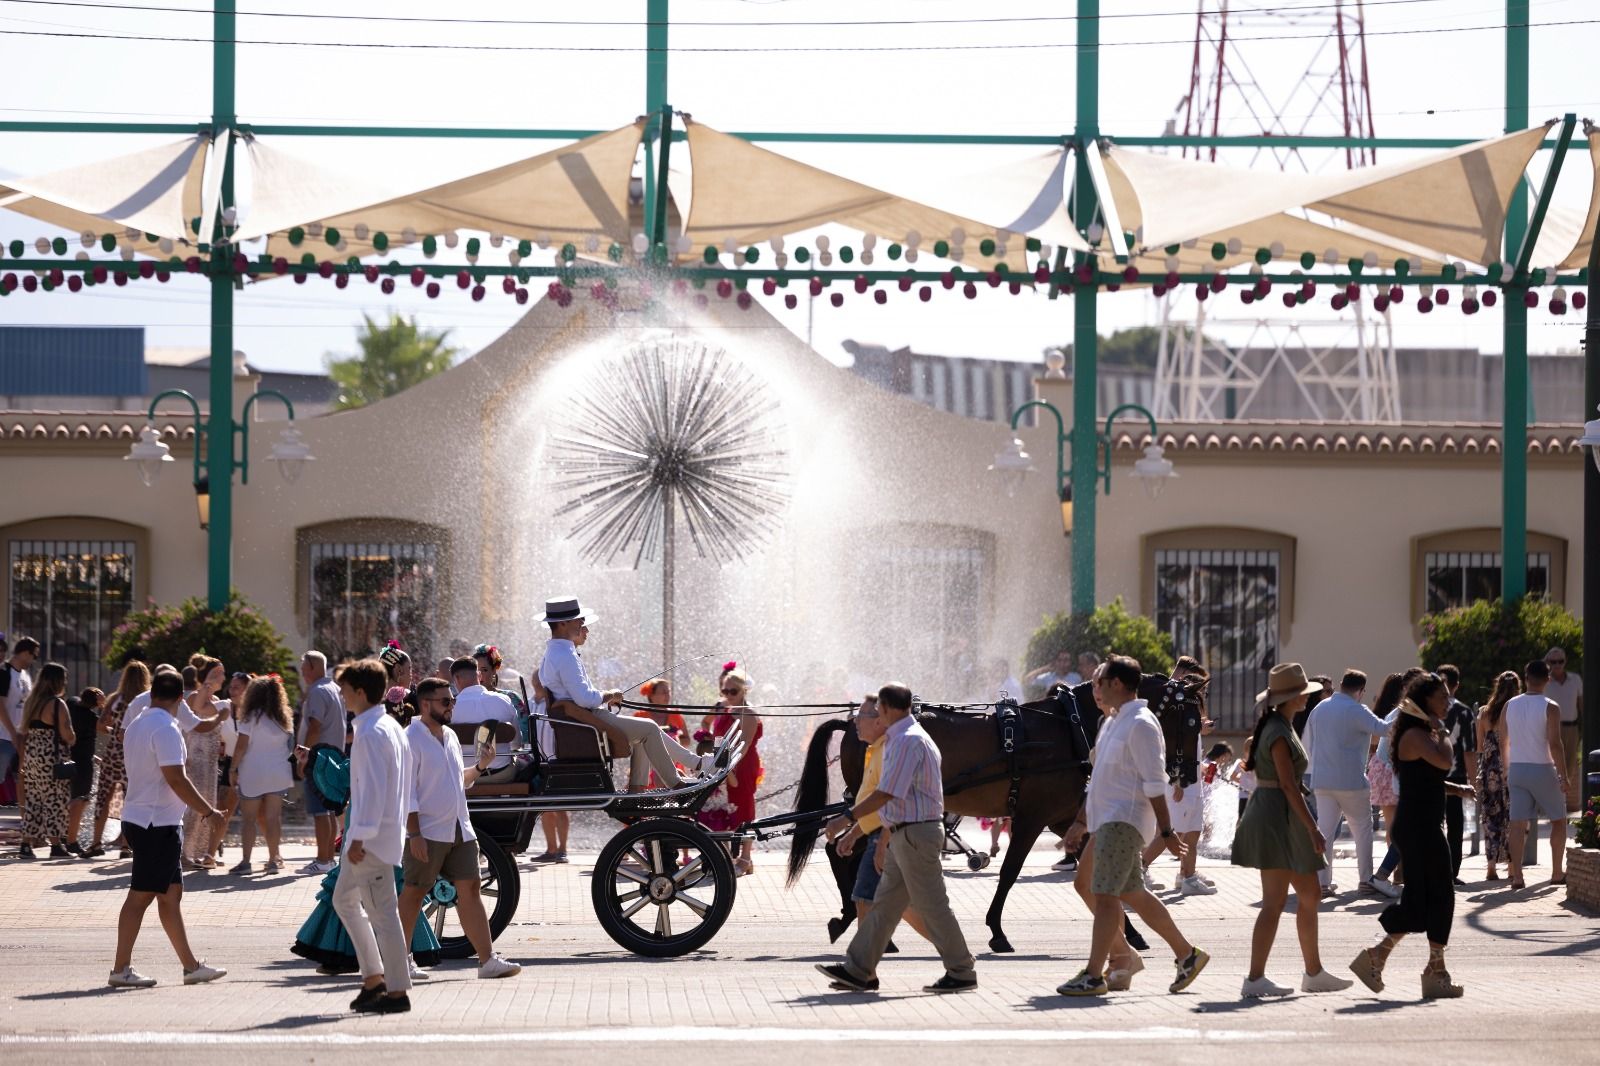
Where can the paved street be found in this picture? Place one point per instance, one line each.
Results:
(1529, 964)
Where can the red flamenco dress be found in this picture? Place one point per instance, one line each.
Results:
(734, 801)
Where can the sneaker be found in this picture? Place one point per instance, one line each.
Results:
(25, 853)
(1323, 982)
(1330, 891)
(128, 977)
(243, 867)
(1261, 988)
(1151, 883)
(1066, 866)
(1188, 969)
(1085, 984)
(416, 972)
(494, 966)
(59, 852)
(842, 978)
(203, 973)
(1193, 886)
(561, 857)
(1206, 880)
(75, 850)
(367, 996)
(1385, 887)
(400, 1004)
(315, 867)
(947, 985)
(95, 852)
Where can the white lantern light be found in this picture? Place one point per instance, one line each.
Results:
(1055, 361)
(150, 453)
(291, 453)
(1154, 470)
(1013, 465)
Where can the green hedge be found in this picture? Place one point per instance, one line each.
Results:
(1107, 630)
(239, 635)
(1489, 636)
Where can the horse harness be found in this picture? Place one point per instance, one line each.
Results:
(1010, 725)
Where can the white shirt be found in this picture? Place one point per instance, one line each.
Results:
(1527, 738)
(380, 785)
(1566, 694)
(563, 674)
(21, 685)
(228, 731)
(152, 742)
(438, 797)
(1130, 766)
(186, 719)
(478, 704)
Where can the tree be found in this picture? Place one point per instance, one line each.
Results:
(394, 357)
(1109, 630)
(1487, 637)
(239, 635)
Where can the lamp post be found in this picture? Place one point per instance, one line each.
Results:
(151, 455)
(1154, 470)
(1589, 723)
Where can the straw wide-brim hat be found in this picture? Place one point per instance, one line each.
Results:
(1284, 683)
(565, 609)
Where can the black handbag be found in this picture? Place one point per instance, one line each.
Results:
(64, 769)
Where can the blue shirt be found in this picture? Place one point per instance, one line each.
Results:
(1338, 737)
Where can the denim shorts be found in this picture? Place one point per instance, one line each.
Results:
(314, 805)
(867, 877)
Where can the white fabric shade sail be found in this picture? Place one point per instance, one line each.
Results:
(158, 191)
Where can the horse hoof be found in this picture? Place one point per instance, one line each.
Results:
(1000, 945)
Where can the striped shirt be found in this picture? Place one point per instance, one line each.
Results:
(911, 775)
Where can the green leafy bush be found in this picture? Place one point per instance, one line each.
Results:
(239, 635)
(1107, 630)
(1489, 636)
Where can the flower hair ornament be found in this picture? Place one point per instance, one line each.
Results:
(490, 652)
(730, 666)
(393, 654)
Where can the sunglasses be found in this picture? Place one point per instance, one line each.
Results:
(449, 701)
(732, 691)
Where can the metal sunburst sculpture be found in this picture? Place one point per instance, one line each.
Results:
(665, 428)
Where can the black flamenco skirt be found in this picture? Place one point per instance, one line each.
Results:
(322, 938)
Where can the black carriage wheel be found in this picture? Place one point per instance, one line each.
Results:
(500, 884)
(663, 887)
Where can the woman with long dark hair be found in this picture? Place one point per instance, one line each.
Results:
(1380, 772)
(1494, 797)
(135, 681)
(49, 740)
(1423, 755)
(1279, 836)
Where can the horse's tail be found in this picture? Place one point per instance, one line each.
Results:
(812, 794)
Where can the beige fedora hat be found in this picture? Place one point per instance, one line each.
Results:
(1284, 683)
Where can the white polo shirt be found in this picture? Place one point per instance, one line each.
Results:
(438, 797)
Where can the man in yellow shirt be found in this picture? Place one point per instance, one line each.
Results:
(868, 831)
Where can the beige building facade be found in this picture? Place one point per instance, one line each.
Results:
(437, 515)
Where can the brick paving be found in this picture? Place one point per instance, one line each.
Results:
(1528, 961)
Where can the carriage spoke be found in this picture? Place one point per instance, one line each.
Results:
(438, 922)
(632, 875)
(695, 865)
(663, 920)
(693, 904)
(638, 904)
(657, 864)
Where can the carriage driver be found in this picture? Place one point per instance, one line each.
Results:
(563, 674)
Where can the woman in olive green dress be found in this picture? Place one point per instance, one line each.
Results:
(1278, 835)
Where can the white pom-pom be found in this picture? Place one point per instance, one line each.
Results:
(166, 245)
(452, 239)
(127, 253)
(314, 229)
(776, 244)
(361, 231)
(86, 239)
(641, 244)
(866, 257)
(913, 238)
(822, 242)
(42, 245)
(958, 237)
(1330, 256)
(868, 241)
(496, 240)
(1170, 263)
(1369, 259)
(825, 258)
(911, 255)
(1234, 245)
(1276, 248)
(408, 236)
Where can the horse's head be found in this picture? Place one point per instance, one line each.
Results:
(1179, 704)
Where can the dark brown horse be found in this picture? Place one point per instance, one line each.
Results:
(1039, 783)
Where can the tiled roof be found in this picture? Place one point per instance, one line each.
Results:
(1284, 438)
(87, 426)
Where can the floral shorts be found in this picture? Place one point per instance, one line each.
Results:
(1380, 772)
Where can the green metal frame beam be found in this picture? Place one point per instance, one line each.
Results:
(1546, 190)
(220, 426)
(1514, 334)
(1085, 315)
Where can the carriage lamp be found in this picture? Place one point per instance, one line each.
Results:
(202, 501)
(1066, 507)
(150, 453)
(1591, 440)
(1013, 465)
(292, 453)
(1155, 469)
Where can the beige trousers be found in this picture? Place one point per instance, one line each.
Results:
(649, 748)
(912, 876)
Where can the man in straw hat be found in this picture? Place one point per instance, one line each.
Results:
(1127, 808)
(563, 674)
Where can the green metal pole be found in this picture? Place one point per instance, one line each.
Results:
(220, 427)
(1514, 433)
(655, 97)
(1085, 319)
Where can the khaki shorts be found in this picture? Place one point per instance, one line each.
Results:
(1117, 869)
(454, 861)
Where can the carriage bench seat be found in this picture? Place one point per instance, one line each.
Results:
(504, 788)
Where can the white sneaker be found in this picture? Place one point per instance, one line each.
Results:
(202, 973)
(416, 972)
(1385, 887)
(1203, 879)
(1193, 886)
(315, 867)
(494, 966)
(1323, 982)
(128, 977)
(1261, 988)
(1151, 883)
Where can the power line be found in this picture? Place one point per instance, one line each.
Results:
(592, 49)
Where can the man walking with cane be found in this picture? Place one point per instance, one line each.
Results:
(910, 794)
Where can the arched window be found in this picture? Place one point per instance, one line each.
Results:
(365, 581)
(1226, 596)
(70, 581)
(1457, 567)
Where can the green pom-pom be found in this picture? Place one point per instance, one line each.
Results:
(1263, 256)
(331, 235)
(353, 262)
(1032, 244)
(846, 254)
(108, 242)
(47, 285)
(1308, 259)
(741, 283)
(569, 252)
(1219, 251)
(986, 247)
(1402, 267)
(752, 254)
(782, 281)
(894, 251)
(802, 255)
(524, 248)
(1174, 249)
(430, 246)
(380, 241)
(1449, 272)
(297, 235)
(59, 246)
(1355, 264)
(474, 246)
(710, 255)
(699, 283)
(309, 260)
(941, 248)
(16, 249)
(614, 253)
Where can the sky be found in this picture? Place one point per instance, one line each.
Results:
(923, 66)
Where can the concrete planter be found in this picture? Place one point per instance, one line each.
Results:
(1583, 877)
